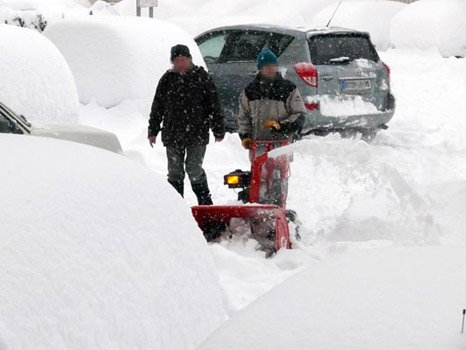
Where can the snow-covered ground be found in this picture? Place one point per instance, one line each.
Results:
(402, 298)
(381, 223)
(403, 189)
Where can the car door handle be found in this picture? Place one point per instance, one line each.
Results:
(327, 77)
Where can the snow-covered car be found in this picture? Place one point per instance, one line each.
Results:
(98, 252)
(345, 85)
(12, 123)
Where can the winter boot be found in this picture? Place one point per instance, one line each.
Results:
(178, 185)
(203, 193)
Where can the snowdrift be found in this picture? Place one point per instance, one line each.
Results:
(431, 24)
(368, 16)
(387, 298)
(37, 14)
(98, 253)
(117, 58)
(36, 80)
(197, 16)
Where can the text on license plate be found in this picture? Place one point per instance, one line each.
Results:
(360, 84)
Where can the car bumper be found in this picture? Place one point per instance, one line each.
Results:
(316, 122)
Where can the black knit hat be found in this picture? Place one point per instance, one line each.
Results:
(179, 50)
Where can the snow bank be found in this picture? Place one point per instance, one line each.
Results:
(37, 14)
(357, 194)
(36, 80)
(118, 58)
(388, 298)
(98, 253)
(431, 24)
(407, 187)
(197, 16)
(34, 4)
(369, 16)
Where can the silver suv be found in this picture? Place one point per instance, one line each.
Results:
(345, 85)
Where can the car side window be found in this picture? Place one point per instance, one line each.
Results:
(246, 46)
(212, 45)
(278, 43)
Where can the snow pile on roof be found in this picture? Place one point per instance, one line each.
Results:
(387, 298)
(35, 4)
(431, 24)
(36, 80)
(98, 253)
(26, 19)
(117, 58)
(37, 14)
(368, 16)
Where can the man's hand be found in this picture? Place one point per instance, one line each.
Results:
(272, 125)
(246, 142)
(152, 140)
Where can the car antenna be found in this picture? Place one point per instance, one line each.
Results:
(334, 13)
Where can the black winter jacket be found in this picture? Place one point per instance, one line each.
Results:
(188, 106)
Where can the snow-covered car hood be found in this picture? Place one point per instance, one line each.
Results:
(81, 134)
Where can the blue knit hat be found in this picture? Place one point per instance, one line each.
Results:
(266, 57)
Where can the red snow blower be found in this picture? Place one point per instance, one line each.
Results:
(264, 189)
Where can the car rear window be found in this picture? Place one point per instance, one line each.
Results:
(246, 45)
(328, 49)
(279, 42)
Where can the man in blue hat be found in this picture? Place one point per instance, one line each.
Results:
(271, 107)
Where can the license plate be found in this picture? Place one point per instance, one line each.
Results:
(359, 84)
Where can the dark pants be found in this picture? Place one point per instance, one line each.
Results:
(189, 160)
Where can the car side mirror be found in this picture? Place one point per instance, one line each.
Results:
(23, 118)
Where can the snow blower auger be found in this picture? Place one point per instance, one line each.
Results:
(264, 191)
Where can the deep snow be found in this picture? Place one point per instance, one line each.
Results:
(431, 24)
(115, 58)
(384, 298)
(36, 80)
(402, 197)
(97, 252)
(367, 16)
(405, 188)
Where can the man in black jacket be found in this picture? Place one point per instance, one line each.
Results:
(187, 105)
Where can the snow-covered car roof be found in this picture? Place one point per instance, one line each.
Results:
(298, 30)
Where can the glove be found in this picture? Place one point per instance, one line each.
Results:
(246, 142)
(272, 125)
(152, 140)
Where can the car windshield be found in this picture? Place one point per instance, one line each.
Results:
(341, 49)
(19, 118)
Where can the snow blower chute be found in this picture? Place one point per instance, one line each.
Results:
(264, 190)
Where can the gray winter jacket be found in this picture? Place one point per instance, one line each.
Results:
(261, 102)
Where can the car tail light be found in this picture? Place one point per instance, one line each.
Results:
(307, 72)
(312, 106)
(387, 68)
